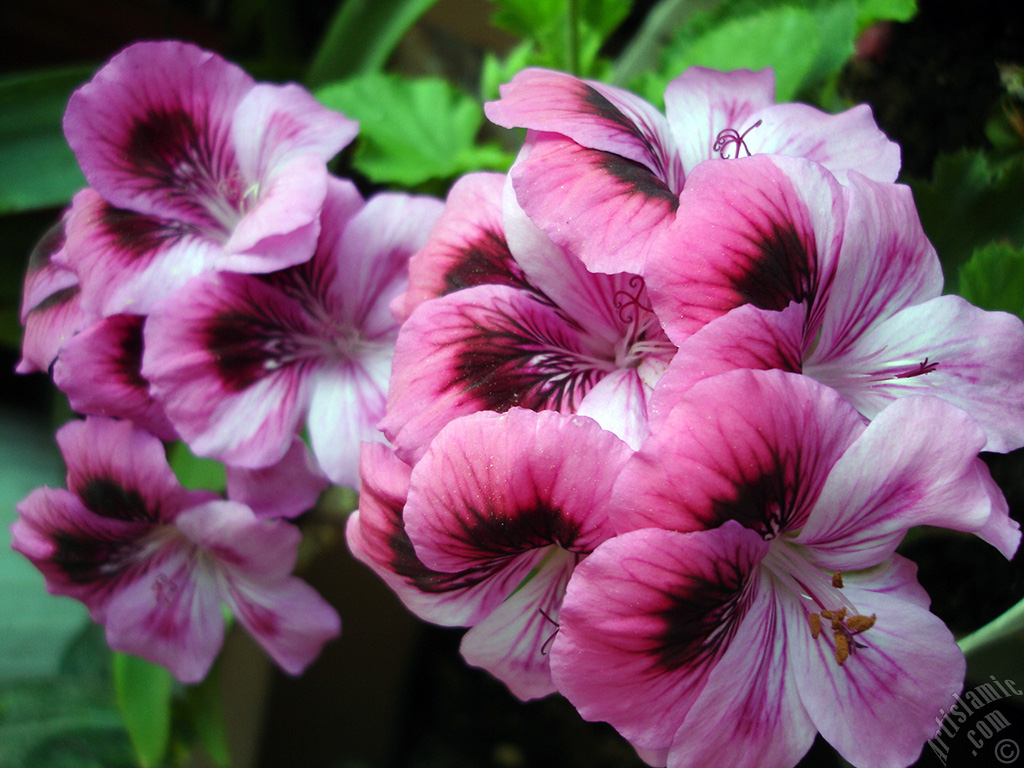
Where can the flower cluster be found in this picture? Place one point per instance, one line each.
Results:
(215, 284)
(665, 400)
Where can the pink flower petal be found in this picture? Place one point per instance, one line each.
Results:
(286, 489)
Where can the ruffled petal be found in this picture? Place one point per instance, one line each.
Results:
(100, 372)
(946, 348)
(751, 446)
(915, 464)
(48, 327)
(645, 619)
(764, 230)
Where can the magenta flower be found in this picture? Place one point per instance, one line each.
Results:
(239, 361)
(516, 321)
(192, 166)
(601, 170)
(153, 561)
(498, 513)
(755, 582)
(838, 282)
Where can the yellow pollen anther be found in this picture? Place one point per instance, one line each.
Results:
(842, 648)
(860, 623)
(837, 579)
(815, 621)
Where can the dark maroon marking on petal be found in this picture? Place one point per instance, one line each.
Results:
(700, 618)
(500, 535)
(639, 179)
(128, 340)
(236, 340)
(84, 561)
(509, 364)
(139, 237)
(49, 244)
(485, 261)
(181, 157)
(770, 502)
(406, 564)
(781, 268)
(108, 498)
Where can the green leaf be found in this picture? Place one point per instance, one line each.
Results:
(37, 168)
(194, 471)
(993, 279)
(528, 18)
(205, 710)
(362, 36)
(885, 10)
(784, 38)
(413, 131)
(144, 698)
(969, 203)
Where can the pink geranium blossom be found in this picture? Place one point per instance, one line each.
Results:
(153, 561)
(786, 268)
(601, 170)
(754, 580)
(192, 166)
(487, 528)
(240, 361)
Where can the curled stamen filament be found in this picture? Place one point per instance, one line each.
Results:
(732, 136)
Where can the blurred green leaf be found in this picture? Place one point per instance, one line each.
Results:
(784, 38)
(205, 710)
(993, 279)
(526, 18)
(362, 36)
(194, 471)
(37, 168)
(413, 131)
(872, 11)
(144, 697)
(969, 203)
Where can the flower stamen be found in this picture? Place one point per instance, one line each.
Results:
(732, 136)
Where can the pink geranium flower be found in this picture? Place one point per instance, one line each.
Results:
(487, 528)
(786, 268)
(501, 317)
(153, 561)
(754, 581)
(240, 361)
(192, 166)
(601, 170)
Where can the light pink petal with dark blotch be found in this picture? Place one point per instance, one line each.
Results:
(703, 103)
(644, 621)
(45, 275)
(229, 357)
(753, 446)
(100, 372)
(886, 264)
(347, 400)
(744, 337)
(254, 559)
(120, 471)
(947, 348)
(604, 209)
(763, 230)
(152, 132)
(846, 143)
(81, 554)
(127, 261)
(492, 487)
(372, 258)
(376, 536)
(915, 464)
(171, 615)
(751, 688)
(491, 347)
(880, 706)
(513, 643)
(591, 114)
(466, 247)
(286, 489)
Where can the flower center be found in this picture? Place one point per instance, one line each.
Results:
(644, 337)
(828, 609)
(732, 137)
